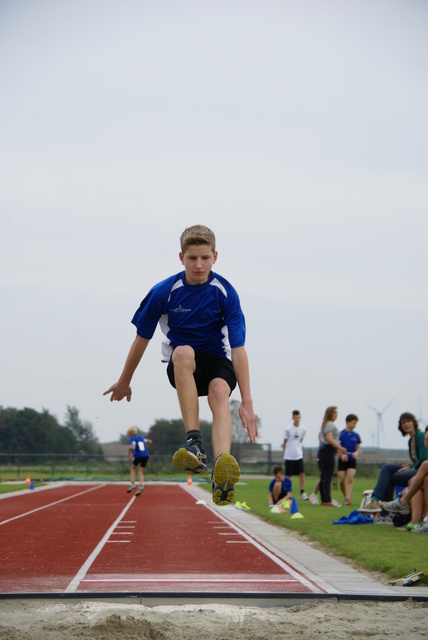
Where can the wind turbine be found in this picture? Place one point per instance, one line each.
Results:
(380, 420)
(422, 422)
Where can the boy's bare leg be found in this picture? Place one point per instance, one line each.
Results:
(191, 456)
(276, 491)
(349, 482)
(341, 478)
(132, 480)
(226, 470)
(184, 368)
(218, 400)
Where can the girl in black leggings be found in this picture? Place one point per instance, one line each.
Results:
(329, 434)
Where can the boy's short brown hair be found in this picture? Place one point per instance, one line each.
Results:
(197, 234)
(351, 417)
(277, 469)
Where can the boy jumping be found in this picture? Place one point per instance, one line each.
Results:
(200, 314)
(139, 456)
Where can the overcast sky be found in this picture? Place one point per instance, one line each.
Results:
(297, 131)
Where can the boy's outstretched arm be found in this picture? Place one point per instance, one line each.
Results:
(246, 411)
(121, 389)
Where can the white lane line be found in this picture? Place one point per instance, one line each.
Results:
(193, 580)
(85, 566)
(229, 533)
(52, 504)
(285, 567)
(122, 533)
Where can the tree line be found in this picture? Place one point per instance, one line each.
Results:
(30, 431)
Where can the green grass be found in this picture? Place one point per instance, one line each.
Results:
(8, 488)
(373, 547)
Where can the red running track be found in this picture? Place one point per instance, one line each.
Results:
(100, 539)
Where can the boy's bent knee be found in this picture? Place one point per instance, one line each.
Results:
(183, 355)
(219, 391)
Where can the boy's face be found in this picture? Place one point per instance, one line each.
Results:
(351, 425)
(198, 260)
(296, 420)
(279, 477)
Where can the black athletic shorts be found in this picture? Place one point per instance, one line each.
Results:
(140, 461)
(207, 368)
(349, 464)
(294, 467)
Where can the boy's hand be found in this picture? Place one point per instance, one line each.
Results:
(119, 392)
(249, 420)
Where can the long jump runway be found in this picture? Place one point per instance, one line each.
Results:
(99, 539)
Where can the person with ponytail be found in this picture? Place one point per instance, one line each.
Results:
(329, 447)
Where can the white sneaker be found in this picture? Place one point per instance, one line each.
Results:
(422, 528)
(313, 498)
(303, 496)
(395, 506)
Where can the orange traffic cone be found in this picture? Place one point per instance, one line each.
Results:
(28, 481)
(189, 481)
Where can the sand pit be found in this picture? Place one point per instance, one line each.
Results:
(53, 620)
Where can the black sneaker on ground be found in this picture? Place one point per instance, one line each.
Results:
(191, 457)
(225, 474)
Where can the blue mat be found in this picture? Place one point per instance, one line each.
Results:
(355, 517)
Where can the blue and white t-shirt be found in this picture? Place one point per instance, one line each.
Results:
(287, 486)
(139, 446)
(207, 317)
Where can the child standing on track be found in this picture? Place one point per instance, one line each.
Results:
(347, 462)
(139, 456)
(200, 314)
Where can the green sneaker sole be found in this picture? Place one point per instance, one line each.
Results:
(183, 459)
(226, 473)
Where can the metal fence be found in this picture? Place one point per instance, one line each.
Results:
(56, 466)
(256, 459)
